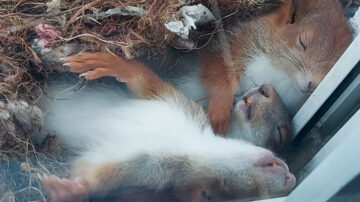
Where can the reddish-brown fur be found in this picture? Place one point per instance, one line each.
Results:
(221, 86)
(138, 77)
(223, 63)
(221, 74)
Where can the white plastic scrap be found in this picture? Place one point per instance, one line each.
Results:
(178, 28)
(128, 10)
(355, 22)
(190, 16)
(53, 6)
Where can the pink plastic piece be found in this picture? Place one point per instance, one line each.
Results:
(46, 33)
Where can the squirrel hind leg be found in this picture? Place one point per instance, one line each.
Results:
(62, 189)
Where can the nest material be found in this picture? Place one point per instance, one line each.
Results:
(80, 25)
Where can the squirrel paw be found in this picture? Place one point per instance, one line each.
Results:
(97, 65)
(65, 190)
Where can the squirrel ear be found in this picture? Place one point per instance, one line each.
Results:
(283, 15)
(290, 31)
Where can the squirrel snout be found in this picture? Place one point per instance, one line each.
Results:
(306, 84)
(311, 86)
(307, 87)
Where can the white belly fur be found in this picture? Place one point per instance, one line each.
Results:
(102, 126)
(261, 71)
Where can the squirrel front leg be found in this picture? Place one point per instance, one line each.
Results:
(220, 82)
(140, 79)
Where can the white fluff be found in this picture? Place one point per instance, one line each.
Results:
(355, 23)
(283, 84)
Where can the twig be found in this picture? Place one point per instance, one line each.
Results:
(77, 13)
(93, 36)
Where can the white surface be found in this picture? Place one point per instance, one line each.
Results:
(339, 167)
(282, 199)
(333, 79)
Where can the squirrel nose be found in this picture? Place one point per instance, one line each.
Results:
(307, 87)
(311, 87)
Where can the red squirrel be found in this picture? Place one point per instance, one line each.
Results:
(161, 140)
(292, 49)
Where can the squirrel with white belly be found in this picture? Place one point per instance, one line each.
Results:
(292, 48)
(163, 140)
